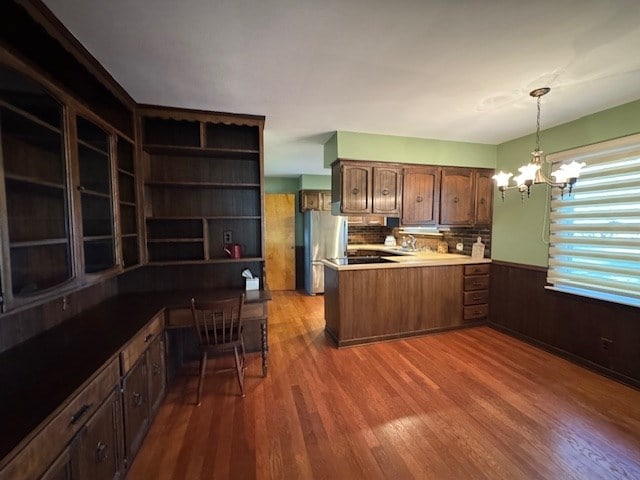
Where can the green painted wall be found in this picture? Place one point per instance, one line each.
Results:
(331, 150)
(315, 182)
(520, 228)
(388, 148)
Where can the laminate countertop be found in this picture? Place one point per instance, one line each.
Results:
(399, 258)
(39, 376)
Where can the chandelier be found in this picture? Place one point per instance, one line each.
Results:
(532, 173)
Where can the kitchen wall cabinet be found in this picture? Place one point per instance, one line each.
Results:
(457, 202)
(386, 190)
(315, 200)
(351, 188)
(466, 197)
(484, 196)
(420, 195)
(203, 185)
(366, 220)
(366, 188)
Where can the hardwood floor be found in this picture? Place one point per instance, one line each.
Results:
(468, 404)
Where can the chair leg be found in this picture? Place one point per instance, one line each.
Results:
(239, 371)
(244, 365)
(203, 367)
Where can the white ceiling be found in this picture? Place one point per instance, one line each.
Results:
(446, 69)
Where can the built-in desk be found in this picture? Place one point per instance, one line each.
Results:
(42, 379)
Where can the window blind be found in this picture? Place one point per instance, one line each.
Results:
(594, 242)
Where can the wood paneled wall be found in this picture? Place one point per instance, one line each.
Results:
(568, 325)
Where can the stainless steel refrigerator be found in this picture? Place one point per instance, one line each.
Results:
(325, 236)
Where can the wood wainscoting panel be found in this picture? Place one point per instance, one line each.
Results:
(577, 327)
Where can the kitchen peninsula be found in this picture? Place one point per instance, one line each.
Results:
(405, 294)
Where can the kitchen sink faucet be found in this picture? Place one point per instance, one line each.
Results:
(412, 243)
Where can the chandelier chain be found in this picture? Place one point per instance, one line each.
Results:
(538, 127)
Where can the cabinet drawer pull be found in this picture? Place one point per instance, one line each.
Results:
(75, 418)
(419, 199)
(137, 399)
(155, 369)
(148, 337)
(102, 452)
(355, 191)
(477, 297)
(477, 284)
(385, 191)
(456, 199)
(482, 201)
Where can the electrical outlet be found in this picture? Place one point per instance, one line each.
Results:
(460, 247)
(227, 236)
(605, 344)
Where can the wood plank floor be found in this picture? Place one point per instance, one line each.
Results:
(469, 404)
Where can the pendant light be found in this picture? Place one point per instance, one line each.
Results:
(531, 174)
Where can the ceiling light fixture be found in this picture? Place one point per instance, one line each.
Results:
(531, 174)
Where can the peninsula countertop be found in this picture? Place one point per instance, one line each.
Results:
(402, 258)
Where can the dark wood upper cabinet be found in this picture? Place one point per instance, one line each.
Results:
(356, 189)
(315, 200)
(96, 196)
(387, 188)
(457, 196)
(128, 203)
(484, 196)
(420, 195)
(34, 192)
(466, 196)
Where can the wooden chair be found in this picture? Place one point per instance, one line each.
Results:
(218, 325)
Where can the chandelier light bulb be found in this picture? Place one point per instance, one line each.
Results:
(572, 170)
(560, 175)
(502, 179)
(528, 172)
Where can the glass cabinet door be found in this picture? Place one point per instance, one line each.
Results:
(127, 203)
(34, 224)
(96, 204)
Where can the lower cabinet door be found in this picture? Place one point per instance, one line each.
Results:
(98, 449)
(61, 469)
(136, 406)
(157, 373)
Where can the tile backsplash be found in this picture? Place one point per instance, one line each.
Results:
(375, 234)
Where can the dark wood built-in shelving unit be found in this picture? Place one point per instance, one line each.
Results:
(203, 177)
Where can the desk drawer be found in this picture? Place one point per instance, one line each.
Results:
(140, 342)
(254, 310)
(182, 317)
(43, 449)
